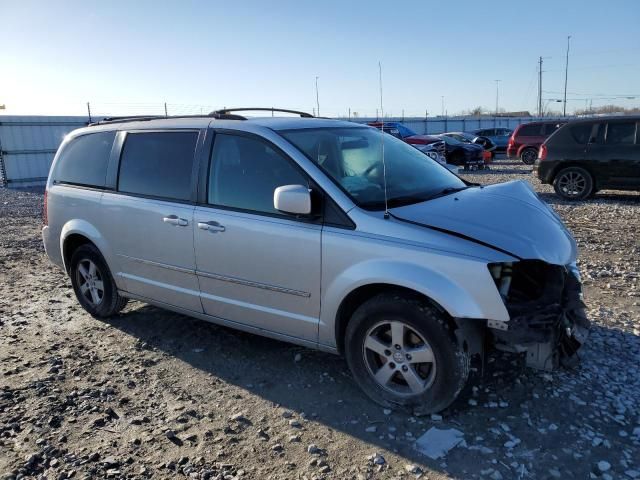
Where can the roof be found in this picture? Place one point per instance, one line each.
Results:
(606, 118)
(197, 122)
(286, 123)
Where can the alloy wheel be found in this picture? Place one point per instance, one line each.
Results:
(529, 157)
(399, 358)
(572, 184)
(90, 282)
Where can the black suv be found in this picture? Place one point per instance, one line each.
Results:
(585, 156)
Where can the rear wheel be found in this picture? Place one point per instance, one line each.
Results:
(573, 183)
(403, 354)
(93, 284)
(529, 155)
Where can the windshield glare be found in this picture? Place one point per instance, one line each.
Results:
(352, 157)
(449, 140)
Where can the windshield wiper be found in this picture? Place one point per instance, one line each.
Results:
(395, 202)
(447, 191)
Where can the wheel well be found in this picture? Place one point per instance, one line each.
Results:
(361, 294)
(524, 148)
(562, 166)
(71, 243)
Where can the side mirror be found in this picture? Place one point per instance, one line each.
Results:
(294, 199)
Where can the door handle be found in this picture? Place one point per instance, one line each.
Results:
(175, 220)
(211, 226)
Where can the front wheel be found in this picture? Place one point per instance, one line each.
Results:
(403, 354)
(93, 284)
(573, 183)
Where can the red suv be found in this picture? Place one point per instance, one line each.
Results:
(527, 138)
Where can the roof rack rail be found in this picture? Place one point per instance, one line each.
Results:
(226, 111)
(131, 118)
(146, 118)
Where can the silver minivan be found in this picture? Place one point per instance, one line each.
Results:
(324, 233)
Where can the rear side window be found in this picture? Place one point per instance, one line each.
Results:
(529, 130)
(549, 128)
(246, 171)
(84, 160)
(581, 133)
(623, 133)
(158, 164)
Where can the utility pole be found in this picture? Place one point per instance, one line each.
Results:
(540, 87)
(497, 84)
(566, 73)
(442, 98)
(317, 97)
(89, 111)
(165, 110)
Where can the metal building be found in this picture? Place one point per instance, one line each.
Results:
(28, 145)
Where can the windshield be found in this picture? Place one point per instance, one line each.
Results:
(460, 137)
(352, 157)
(450, 140)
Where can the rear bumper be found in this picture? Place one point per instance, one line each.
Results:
(544, 171)
(52, 247)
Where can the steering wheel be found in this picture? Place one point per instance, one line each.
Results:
(369, 169)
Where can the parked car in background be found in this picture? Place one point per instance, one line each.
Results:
(468, 155)
(434, 152)
(485, 143)
(407, 135)
(499, 136)
(527, 138)
(585, 156)
(300, 230)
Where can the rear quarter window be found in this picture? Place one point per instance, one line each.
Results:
(549, 128)
(84, 160)
(581, 133)
(529, 131)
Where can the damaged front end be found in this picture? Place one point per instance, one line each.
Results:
(547, 315)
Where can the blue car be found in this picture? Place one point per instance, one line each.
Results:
(498, 136)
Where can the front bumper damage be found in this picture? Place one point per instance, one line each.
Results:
(547, 314)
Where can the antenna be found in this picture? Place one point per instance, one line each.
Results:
(384, 165)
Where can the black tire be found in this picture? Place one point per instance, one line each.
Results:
(110, 302)
(458, 159)
(573, 183)
(451, 366)
(529, 156)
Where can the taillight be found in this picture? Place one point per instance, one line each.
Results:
(542, 153)
(45, 219)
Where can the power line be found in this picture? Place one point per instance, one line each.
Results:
(596, 94)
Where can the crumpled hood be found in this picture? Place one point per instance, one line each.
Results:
(422, 139)
(508, 216)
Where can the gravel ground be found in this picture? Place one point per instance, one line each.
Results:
(155, 394)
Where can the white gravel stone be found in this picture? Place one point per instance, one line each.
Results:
(604, 466)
